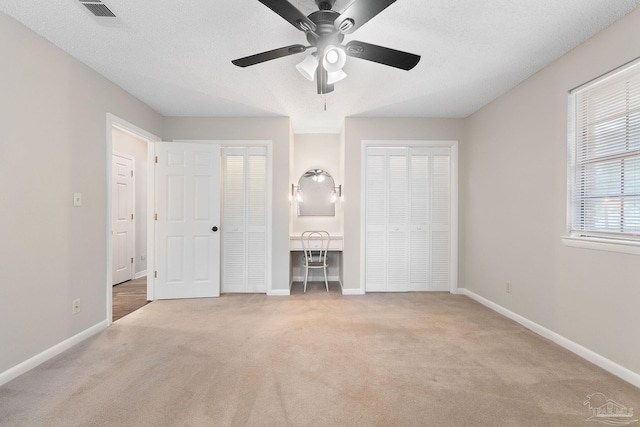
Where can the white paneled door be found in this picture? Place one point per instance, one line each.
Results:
(188, 218)
(122, 217)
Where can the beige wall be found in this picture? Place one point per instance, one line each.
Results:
(52, 140)
(515, 183)
(277, 130)
(357, 130)
(316, 151)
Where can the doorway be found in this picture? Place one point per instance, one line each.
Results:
(129, 151)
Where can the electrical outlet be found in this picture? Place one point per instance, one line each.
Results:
(75, 306)
(507, 287)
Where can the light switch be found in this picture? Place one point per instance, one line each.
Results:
(77, 199)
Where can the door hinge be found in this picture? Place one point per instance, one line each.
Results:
(156, 217)
(132, 174)
(131, 260)
(156, 159)
(155, 274)
(131, 217)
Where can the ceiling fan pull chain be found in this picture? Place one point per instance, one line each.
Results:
(325, 102)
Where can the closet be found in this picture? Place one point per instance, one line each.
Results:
(407, 218)
(244, 219)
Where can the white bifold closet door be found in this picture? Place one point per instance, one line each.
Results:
(244, 219)
(407, 219)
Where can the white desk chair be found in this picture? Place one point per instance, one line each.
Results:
(315, 245)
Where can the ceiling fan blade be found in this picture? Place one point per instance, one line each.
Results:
(269, 55)
(382, 55)
(358, 13)
(290, 13)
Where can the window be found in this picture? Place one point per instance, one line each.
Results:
(604, 157)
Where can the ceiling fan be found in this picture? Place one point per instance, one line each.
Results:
(325, 30)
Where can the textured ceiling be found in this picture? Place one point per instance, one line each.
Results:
(176, 55)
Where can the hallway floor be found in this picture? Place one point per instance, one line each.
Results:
(128, 297)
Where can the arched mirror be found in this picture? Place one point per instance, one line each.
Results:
(316, 194)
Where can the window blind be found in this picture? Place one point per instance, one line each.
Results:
(605, 156)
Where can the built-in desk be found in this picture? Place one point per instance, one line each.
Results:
(336, 244)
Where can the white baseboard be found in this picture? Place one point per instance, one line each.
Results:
(598, 360)
(38, 359)
(352, 291)
(140, 274)
(279, 292)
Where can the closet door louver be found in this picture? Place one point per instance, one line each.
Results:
(408, 198)
(440, 222)
(398, 215)
(376, 220)
(244, 220)
(233, 224)
(256, 222)
(386, 216)
(420, 211)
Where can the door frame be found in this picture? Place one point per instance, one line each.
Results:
(453, 249)
(111, 122)
(133, 208)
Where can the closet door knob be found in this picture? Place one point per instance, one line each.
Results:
(214, 229)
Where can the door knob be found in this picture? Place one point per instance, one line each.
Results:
(214, 228)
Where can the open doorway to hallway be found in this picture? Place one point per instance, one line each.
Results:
(129, 200)
(128, 297)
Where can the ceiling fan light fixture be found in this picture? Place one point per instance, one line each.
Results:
(325, 30)
(334, 58)
(308, 67)
(335, 76)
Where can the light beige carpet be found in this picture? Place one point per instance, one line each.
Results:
(314, 359)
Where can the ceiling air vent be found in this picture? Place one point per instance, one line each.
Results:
(101, 12)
